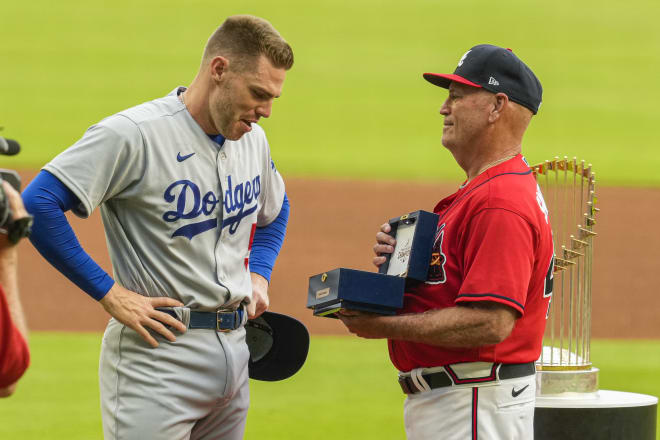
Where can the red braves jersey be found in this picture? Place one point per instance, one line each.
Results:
(493, 243)
(14, 354)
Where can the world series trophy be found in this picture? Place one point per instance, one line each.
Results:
(565, 365)
(569, 403)
(380, 292)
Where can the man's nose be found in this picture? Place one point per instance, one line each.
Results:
(444, 110)
(264, 110)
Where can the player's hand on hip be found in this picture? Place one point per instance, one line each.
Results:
(260, 301)
(139, 312)
(384, 244)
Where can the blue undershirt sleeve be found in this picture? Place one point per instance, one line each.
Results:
(47, 199)
(267, 243)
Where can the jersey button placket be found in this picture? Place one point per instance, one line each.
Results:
(221, 166)
(221, 162)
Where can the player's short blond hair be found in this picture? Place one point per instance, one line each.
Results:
(243, 38)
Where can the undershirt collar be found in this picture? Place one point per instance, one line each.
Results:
(217, 138)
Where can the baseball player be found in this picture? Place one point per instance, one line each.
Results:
(194, 213)
(467, 338)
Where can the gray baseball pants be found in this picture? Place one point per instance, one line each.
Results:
(195, 388)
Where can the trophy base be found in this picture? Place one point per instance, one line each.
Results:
(612, 415)
(565, 383)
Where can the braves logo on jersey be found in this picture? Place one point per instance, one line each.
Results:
(437, 273)
(240, 200)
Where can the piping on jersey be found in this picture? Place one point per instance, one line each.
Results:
(455, 202)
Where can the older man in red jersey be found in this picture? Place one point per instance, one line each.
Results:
(467, 338)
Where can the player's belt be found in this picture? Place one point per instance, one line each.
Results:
(220, 321)
(412, 384)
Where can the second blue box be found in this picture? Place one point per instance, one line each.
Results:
(354, 289)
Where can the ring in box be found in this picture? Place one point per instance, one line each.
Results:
(378, 292)
(415, 234)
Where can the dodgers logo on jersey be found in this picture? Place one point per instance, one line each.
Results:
(240, 200)
(237, 199)
(437, 273)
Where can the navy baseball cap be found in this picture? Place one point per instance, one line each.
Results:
(497, 70)
(278, 346)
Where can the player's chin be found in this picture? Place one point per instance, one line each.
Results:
(447, 141)
(238, 130)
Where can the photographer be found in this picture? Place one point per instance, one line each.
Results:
(14, 354)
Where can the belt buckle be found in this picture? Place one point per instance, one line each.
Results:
(405, 386)
(218, 322)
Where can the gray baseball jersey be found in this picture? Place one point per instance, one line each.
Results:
(179, 210)
(179, 213)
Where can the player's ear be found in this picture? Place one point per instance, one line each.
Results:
(500, 101)
(219, 66)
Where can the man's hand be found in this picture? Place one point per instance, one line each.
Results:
(137, 312)
(384, 244)
(260, 301)
(364, 325)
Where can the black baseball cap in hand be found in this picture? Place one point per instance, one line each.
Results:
(278, 346)
(497, 70)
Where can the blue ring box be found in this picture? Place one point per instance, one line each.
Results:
(380, 292)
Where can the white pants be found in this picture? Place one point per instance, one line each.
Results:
(492, 411)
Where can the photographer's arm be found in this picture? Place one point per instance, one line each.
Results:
(13, 329)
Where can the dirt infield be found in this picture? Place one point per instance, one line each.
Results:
(333, 224)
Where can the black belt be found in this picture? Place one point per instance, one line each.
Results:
(219, 321)
(441, 379)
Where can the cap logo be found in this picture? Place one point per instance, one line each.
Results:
(460, 62)
(493, 82)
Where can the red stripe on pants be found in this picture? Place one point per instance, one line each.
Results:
(475, 397)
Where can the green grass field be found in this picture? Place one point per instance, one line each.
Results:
(354, 104)
(347, 389)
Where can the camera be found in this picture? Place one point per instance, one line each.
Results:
(14, 228)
